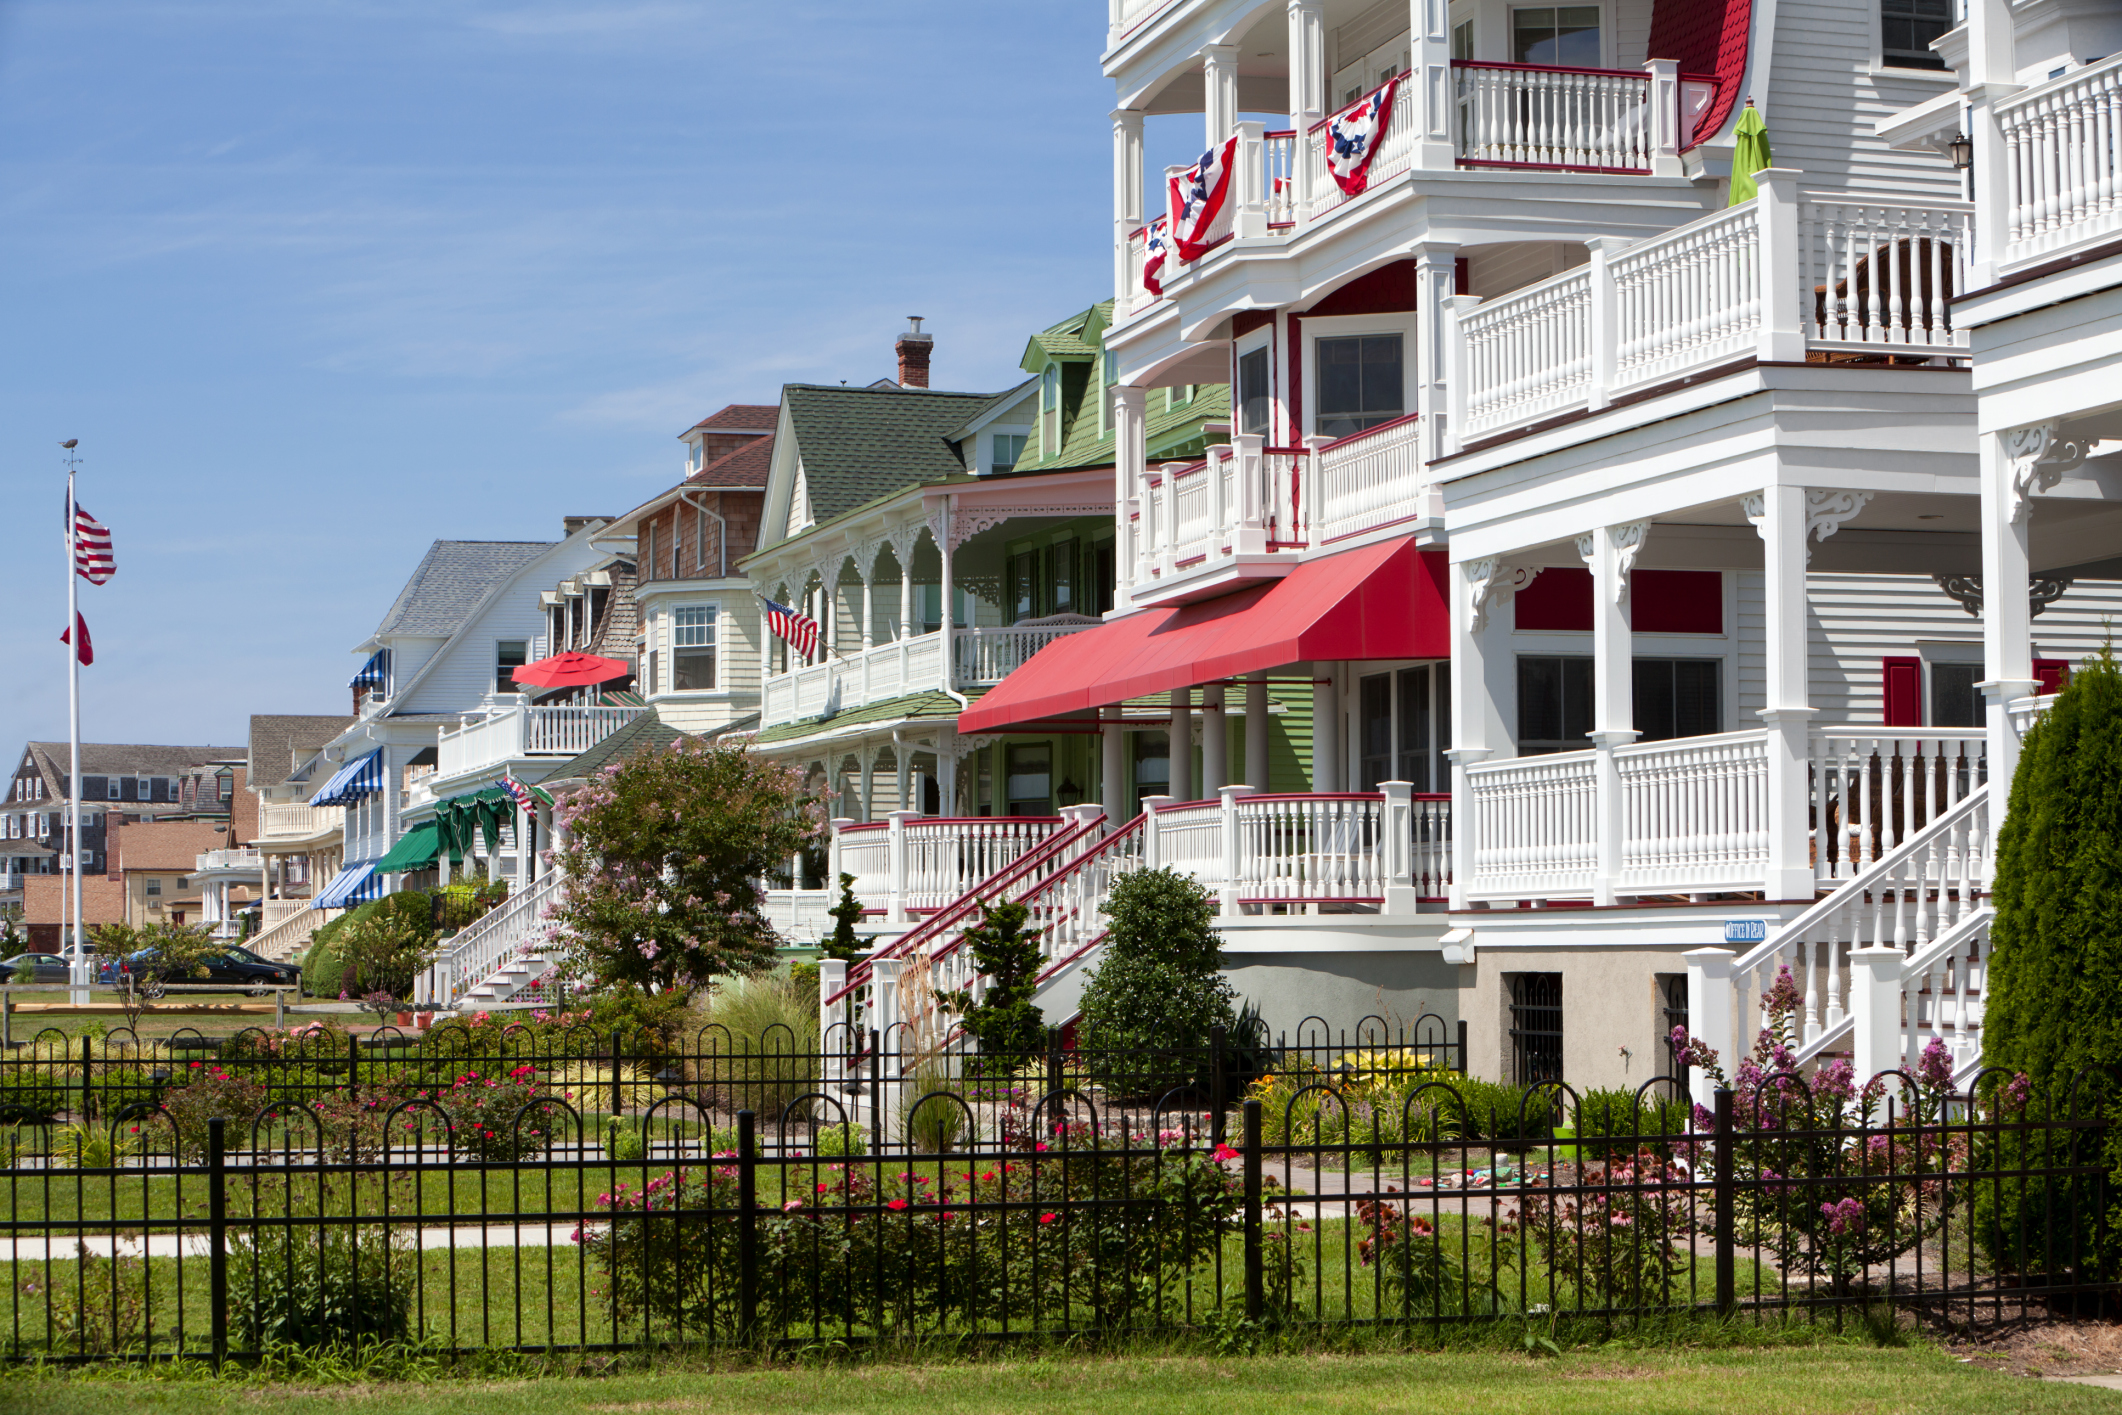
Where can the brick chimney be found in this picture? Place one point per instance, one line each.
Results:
(913, 350)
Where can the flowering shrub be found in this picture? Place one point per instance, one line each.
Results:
(1369, 1097)
(1818, 1189)
(1418, 1268)
(663, 1256)
(497, 1118)
(101, 1309)
(1623, 1239)
(204, 1091)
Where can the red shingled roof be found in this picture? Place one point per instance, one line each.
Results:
(1708, 38)
(740, 417)
(744, 467)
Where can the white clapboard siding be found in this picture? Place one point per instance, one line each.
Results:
(1752, 599)
(1501, 269)
(463, 670)
(1824, 101)
(1631, 22)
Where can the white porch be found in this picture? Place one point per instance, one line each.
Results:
(516, 732)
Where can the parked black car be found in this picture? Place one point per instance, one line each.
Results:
(226, 966)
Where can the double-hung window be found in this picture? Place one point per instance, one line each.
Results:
(693, 648)
(1906, 28)
(509, 655)
(1564, 37)
(1361, 382)
(1009, 450)
(1255, 395)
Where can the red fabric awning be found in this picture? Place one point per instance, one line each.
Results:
(1383, 601)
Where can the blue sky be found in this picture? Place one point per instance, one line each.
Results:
(316, 282)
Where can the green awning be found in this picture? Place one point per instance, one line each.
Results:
(415, 851)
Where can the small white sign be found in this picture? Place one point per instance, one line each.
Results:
(1746, 930)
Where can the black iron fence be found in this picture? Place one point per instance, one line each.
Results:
(628, 1195)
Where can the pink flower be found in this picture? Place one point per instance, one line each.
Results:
(896, 1204)
(1225, 1153)
(1048, 1217)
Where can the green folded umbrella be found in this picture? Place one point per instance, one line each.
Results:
(1749, 155)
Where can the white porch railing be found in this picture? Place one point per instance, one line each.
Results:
(799, 915)
(1779, 278)
(1532, 827)
(910, 864)
(210, 860)
(1695, 813)
(293, 820)
(1369, 479)
(1873, 789)
(1524, 115)
(288, 933)
(507, 734)
(2025, 712)
(989, 655)
(1279, 156)
(857, 678)
(2063, 151)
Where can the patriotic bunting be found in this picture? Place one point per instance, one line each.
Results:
(1198, 195)
(1353, 136)
(799, 630)
(1156, 243)
(525, 796)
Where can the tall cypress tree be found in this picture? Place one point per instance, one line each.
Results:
(1159, 991)
(2053, 1004)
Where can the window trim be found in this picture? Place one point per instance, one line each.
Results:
(713, 646)
(1402, 323)
(1607, 21)
(1882, 65)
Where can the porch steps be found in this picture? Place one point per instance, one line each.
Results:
(288, 938)
(494, 959)
(1888, 961)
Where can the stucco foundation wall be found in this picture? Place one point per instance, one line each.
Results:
(1609, 1001)
(1343, 988)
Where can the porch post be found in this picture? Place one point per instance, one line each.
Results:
(1256, 731)
(1782, 333)
(1219, 76)
(2007, 617)
(1307, 91)
(946, 773)
(1429, 63)
(1469, 690)
(1611, 551)
(1215, 741)
(1436, 284)
(1396, 866)
(1875, 1006)
(1712, 1014)
(1182, 745)
(902, 766)
(1152, 839)
(1112, 790)
(832, 976)
(869, 604)
(1326, 730)
(1127, 195)
(1249, 182)
(868, 759)
(1129, 409)
(948, 654)
(1664, 117)
(1789, 712)
(1992, 69)
(884, 1005)
(1234, 848)
(906, 590)
(895, 862)
(832, 855)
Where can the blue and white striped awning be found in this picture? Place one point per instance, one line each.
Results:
(356, 884)
(375, 675)
(352, 781)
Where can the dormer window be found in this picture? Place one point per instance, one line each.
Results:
(1009, 450)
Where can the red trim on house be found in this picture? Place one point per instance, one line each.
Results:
(1707, 39)
(1901, 692)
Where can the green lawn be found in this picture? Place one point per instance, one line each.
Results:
(1802, 1381)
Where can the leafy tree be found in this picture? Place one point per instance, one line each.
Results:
(665, 857)
(174, 953)
(842, 943)
(386, 950)
(1006, 1022)
(1159, 991)
(2056, 948)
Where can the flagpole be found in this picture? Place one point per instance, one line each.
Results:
(79, 968)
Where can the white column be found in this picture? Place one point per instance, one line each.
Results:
(903, 764)
(1875, 1007)
(832, 977)
(1215, 741)
(1219, 75)
(1604, 329)
(869, 606)
(766, 645)
(1428, 89)
(1182, 745)
(1307, 90)
(1664, 117)
(1782, 335)
(1789, 712)
(1326, 729)
(1112, 790)
(1469, 690)
(1249, 182)
(1397, 825)
(1712, 1015)
(868, 759)
(946, 774)
(906, 590)
(1611, 550)
(2007, 617)
(1436, 280)
(948, 657)
(1129, 462)
(1233, 842)
(895, 860)
(1256, 731)
(1127, 196)
(1992, 67)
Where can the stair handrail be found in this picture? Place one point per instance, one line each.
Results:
(1055, 880)
(462, 954)
(1873, 874)
(961, 908)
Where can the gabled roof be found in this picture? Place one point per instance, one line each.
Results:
(857, 444)
(739, 417)
(747, 466)
(279, 743)
(122, 759)
(1001, 402)
(1072, 337)
(452, 580)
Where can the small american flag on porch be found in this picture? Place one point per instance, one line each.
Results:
(800, 630)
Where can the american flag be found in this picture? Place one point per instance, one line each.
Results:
(525, 796)
(92, 548)
(800, 630)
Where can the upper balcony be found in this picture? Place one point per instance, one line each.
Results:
(981, 657)
(522, 732)
(2060, 142)
(1791, 277)
(296, 820)
(1249, 512)
(236, 865)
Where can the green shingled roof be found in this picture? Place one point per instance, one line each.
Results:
(858, 444)
(930, 704)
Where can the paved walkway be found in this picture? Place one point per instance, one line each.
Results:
(194, 1244)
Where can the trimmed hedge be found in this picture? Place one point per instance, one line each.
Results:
(324, 966)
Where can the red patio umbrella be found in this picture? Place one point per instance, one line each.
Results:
(571, 670)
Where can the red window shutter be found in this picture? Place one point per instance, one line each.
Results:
(2054, 674)
(1901, 684)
